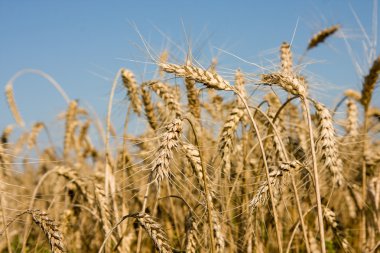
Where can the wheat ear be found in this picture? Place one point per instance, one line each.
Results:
(226, 137)
(321, 36)
(192, 98)
(129, 82)
(12, 105)
(286, 58)
(47, 225)
(275, 176)
(169, 140)
(211, 80)
(69, 127)
(353, 94)
(288, 82)
(164, 92)
(37, 127)
(327, 145)
(148, 106)
(331, 220)
(370, 82)
(352, 126)
(191, 235)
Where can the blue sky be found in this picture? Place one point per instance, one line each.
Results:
(83, 43)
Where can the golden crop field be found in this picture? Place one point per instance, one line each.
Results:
(254, 162)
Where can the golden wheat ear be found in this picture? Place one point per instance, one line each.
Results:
(47, 225)
(12, 105)
(369, 83)
(321, 36)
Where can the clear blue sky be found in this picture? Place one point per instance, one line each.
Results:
(83, 43)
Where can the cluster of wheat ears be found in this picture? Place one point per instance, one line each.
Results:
(211, 169)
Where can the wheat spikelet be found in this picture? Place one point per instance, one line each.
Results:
(370, 82)
(352, 126)
(331, 220)
(130, 84)
(286, 58)
(164, 92)
(353, 94)
(289, 83)
(275, 176)
(12, 105)
(155, 232)
(37, 127)
(168, 141)
(321, 36)
(327, 145)
(211, 80)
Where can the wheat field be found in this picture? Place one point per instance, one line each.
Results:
(252, 162)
